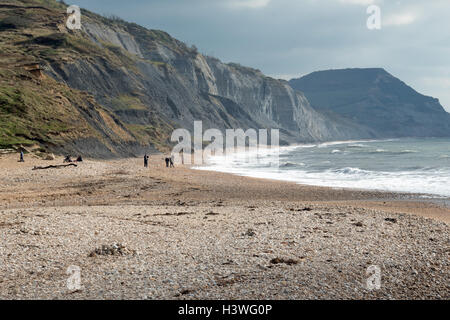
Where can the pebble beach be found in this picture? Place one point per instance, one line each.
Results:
(160, 233)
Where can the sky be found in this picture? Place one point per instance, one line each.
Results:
(291, 38)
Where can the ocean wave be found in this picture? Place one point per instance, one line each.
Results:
(292, 164)
(351, 171)
(356, 146)
(431, 183)
(422, 168)
(389, 152)
(408, 151)
(350, 142)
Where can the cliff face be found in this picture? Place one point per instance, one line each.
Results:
(376, 100)
(181, 85)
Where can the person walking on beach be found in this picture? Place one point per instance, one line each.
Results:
(167, 162)
(146, 161)
(171, 162)
(21, 156)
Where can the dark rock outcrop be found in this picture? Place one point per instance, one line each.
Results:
(377, 100)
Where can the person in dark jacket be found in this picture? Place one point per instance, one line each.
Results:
(145, 161)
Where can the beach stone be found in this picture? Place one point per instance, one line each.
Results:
(115, 249)
(289, 262)
(249, 233)
(50, 157)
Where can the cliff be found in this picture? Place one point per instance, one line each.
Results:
(377, 100)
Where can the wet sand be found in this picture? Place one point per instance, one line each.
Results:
(190, 234)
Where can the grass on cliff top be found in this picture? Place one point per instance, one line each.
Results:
(45, 3)
(244, 69)
(152, 35)
(32, 34)
(48, 43)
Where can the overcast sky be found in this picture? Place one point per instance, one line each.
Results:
(291, 38)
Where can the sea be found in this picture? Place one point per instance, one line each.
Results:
(410, 165)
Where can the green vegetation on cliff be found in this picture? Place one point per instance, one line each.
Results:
(35, 109)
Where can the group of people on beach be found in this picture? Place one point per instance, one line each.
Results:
(69, 159)
(168, 160)
(66, 159)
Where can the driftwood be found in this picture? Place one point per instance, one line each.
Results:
(56, 167)
(6, 151)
